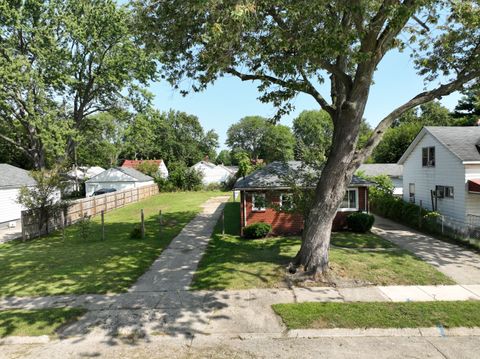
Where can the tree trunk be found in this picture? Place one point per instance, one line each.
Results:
(330, 190)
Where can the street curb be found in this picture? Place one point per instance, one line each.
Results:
(18, 340)
(384, 332)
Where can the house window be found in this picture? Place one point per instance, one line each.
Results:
(428, 156)
(449, 191)
(411, 192)
(259, 202)
(350, 201)
(286, 201)
(444, 191)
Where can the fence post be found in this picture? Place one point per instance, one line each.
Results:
(103, 225)
(223, 222)
(420, 215)
(443, 218)
(143, 223)
(62, 219)
(22, 222)
(160, 222)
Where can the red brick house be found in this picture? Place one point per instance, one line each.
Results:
(264, 193)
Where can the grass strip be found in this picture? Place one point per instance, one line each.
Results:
(36, 322)
(379, 315)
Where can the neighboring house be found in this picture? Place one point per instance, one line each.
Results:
(214, 174)
(11, 180)
(119, 178)
(264, 192)
(162, 168)
(76, 177)
(392, 170)
(441, 171)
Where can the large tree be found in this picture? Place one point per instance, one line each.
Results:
(291, 47)
(61, 62)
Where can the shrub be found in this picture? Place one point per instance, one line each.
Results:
(360, 222)
(257, 230)
(136, 232)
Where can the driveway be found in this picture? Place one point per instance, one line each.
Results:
(459, 263)
(7, 234)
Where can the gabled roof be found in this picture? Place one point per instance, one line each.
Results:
(14, 177)
(278, 175)
(377, 169)
(135, 163)
(205, 163)
(120, 174)
(463, 142)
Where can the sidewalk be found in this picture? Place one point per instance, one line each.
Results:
(459, 263)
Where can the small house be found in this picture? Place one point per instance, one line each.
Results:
(162, 168)
(214, 174)
(441, 172)
(266, 191)
(11, 180)
(393, 170)
(117, 178)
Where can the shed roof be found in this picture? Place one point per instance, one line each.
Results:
(376, 169)
(278, 175)
(120, 174)
(14, 177)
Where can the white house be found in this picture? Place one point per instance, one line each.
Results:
(118, 178)
(213, 173)
(392, 170)
(441, 171)
(162, 168)
(11, 180)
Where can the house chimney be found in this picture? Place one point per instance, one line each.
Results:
(206, 159)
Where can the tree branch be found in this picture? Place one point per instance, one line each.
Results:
(424, 97)
(12, 142)
(304, 86)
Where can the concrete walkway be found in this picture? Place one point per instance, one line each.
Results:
(175, 267)
(459, 263)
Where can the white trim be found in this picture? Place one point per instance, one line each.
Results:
(263, 209)
(281, 198)
(356, 202)
(471, 163)
(244, 208)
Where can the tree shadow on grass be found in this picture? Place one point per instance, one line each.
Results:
(51, 266)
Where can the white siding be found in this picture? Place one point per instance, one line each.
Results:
(10, 210)
(212, 174)
(448, 171)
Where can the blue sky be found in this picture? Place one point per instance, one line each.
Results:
(229, 99)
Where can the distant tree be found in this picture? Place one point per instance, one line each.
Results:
(247, 135)
(397, 139)
(313, 132)
(148, 168)
(102, 139)
(224, 157)
(467, 111)
(278, 144)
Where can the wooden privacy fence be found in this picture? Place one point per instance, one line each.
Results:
(84, 207)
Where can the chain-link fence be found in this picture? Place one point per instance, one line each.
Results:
(468, 231)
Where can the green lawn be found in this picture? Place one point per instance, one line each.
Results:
(379, 315)
(36, 322)
(234, 263)
(49, 265)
